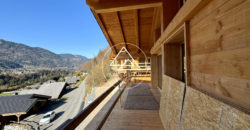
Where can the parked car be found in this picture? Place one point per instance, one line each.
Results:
(47, 118)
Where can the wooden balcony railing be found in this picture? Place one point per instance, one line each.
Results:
(71, 124)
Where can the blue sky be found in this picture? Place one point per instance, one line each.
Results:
(61, 26)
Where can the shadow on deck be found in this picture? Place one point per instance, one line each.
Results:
(129, 118)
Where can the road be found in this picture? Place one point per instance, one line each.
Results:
(64, 109)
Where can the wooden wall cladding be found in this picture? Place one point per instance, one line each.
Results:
(220, 50)
(204, 112)
(171, 102)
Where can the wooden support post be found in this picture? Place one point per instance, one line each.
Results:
(156, 25)
(18, 117)
(154, 71)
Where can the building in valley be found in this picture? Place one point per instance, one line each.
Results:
(54, 90)
(72, 80)
(19, 105)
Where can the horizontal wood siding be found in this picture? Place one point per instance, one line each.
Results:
(220, 50)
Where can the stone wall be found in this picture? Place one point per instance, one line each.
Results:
(171, 102)
(197, 110)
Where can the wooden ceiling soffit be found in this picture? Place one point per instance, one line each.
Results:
(145, 28)
(103, 28)
(134, 55)
(104, 6)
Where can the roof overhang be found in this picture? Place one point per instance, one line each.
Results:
(128, 21)
(13, 114)
(105, 6)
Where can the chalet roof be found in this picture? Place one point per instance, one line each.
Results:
(53, 90)
(71, 80)
(18, 103)
(128, 21)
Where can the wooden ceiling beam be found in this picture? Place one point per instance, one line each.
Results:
(13, 114)
(104, 6)
(153, 25)
(137, 29)
(134, 55)
(156, 23)
(103, 28)
(121, 28)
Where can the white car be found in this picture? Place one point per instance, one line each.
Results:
(47, 118)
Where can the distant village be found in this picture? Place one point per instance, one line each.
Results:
(28, 70)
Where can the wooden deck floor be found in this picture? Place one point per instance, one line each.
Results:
(121, 119)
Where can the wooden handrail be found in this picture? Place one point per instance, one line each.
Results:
(102, 122)
(73, 123)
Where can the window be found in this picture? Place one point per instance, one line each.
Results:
(172, 60)
(183, 62)
(159, 63)
(174, 55)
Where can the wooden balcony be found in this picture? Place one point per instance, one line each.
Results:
(121, 118)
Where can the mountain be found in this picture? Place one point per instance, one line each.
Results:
(15, 55)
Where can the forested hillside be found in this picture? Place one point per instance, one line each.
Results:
(14, 55)
(99, 70)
